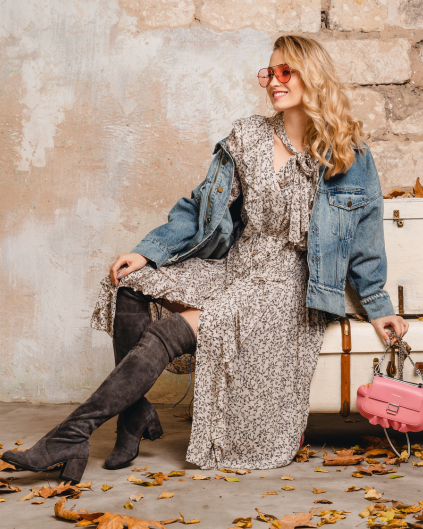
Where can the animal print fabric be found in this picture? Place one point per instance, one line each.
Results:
(257, 342)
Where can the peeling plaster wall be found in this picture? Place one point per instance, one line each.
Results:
(109, 112)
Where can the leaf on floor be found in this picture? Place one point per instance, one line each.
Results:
(288, 478)
(166, 495)
(353, 488)
(318, 491)
(49, 492)
(7, 483)
(106, 487)
(61, 512)
(176, 473)
(171, 520)
(287, 487)
(110, 520)
(357, 475)
(199, 476)
(86, 485)
(379, 452)
(181, 480)
(227, 470)
(27, 497)
(263, 476)
(39, 502)
(242, 472)
(137, 481)
(232, 479)
(346, 457)
(303, 455)
(419, 464)
(330, 517)
(291, 521)
(323, 501)
(395, 476)
(265, 517)
(2, 500)
(6, 466)
(372, 495)
(220, 477)
(271, 493)
(318, 469)
(19, 443)
(367, 511)
(136, 497)
(128, 505)
(139, 469)
(371, 461)
(188, 521)
(244, 521)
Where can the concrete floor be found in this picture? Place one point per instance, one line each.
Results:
(216, 502)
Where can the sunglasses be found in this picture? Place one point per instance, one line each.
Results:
(282, 72)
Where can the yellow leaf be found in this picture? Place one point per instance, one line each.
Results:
(28, 496)
(232, 479)
(39, 502)
(172, 520)
(128, 505)
(198, 476)
(136, 497)
(19, 443)
(176, 473)
(107, 487)
(419, 464)
(139, 469)
(86, 485)
(287, 478)
(367, 511)
(395, 476)
(288, 487)
(2, 500)
(353, 488)
(371, 494)
(165, 495)
(227, 470)
(188, 521)
(137, 481)
(271, 494)
(263, 476)
(318, 469)
(318, 491)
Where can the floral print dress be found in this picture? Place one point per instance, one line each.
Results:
(257, 342)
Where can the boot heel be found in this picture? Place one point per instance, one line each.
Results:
(152, 432)
(73, 470)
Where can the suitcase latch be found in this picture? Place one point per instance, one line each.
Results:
(400, 222)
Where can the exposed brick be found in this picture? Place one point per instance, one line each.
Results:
(371, 61)
(157, 13)
(398, 163)
(369, 106)
(411, 125)
(350, 15)
(264, 15)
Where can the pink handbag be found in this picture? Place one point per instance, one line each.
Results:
(392, 401)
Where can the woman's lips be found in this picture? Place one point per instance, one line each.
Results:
(279, 95)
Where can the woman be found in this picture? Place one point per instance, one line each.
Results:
(251, 268)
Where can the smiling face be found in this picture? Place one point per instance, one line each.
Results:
(284, 95)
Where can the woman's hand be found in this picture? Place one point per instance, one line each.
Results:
(133, 261)
(399, 324)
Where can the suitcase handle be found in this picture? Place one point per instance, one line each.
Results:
(345, 367)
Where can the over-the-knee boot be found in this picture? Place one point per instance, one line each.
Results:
(140, 419)
(162, 341)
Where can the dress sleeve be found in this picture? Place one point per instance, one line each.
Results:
(234, 148)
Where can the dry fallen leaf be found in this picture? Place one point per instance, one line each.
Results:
(139, 469)
(220, 477)
(271, 493)
(188, 521)
(110, 520)
(106, 487)
(6, 466)
(371, 494)
(128, 505)
(227, 470)
(49, 492)
(61, 512)
(2, 500)
(39, 502)
(318, 469)
(27, 497)
(232, 479)
(244, 521)
(7, 483)
(303, 455)
(242, 472)
(330, 517)
(419, 464)
(367, 511)
(353, 488)
(418, 189)
(379, 452)
(137, 481)
(136, 497)
(172, 520)
(199, 476)
(165, 495)
(318, 491)
(288, 478)
(265, 517)
(176, 473)
(345, 457)
(19, 443)
(291, 521)
(287, 487)
(263, 476)
(323, 501)
(86, 485)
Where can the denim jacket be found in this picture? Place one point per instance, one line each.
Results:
(345, 239)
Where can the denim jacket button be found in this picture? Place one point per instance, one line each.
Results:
(220, 189)
(224, 161)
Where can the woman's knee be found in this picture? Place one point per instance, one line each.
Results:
(192, 316)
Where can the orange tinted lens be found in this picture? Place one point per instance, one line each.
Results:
(264, 76)
(283, 73)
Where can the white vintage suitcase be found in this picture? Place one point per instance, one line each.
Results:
(403, 228)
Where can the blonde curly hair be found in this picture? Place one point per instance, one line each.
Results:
(331, 122)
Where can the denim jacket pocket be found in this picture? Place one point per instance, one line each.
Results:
(344, 208)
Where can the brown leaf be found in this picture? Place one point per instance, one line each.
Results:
(176, 473)
(288, 478)
(291, 521)
(7, 483)
(273, 493)
(346, 457)
(48, 492)
(265, 517)
(318, 469)
(136, 497)
(287, 487)
(86, 485)
(137, 481)
(39, 502)
(110, 520)
(353, 488)
(61, 512)
(244, 521)
(2, 500)
(172, 520)
(303, 455)
(6, 466)
(19, 443)
(242, 472)
(379, 452)
(220, 477)
(318, 491)
(323, 501)
(371, 494)
(367, 511)
(27, 497)
(188, 521)
(198, 476)
(165, 495)
(139, 469)
(418, 189)
(371, 461)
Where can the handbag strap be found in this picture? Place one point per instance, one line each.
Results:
(402, 354)
(393, 447)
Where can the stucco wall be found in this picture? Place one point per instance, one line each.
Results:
(109, 113)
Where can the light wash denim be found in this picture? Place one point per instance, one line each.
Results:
(345, 241)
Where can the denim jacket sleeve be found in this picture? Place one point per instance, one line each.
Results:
(367, 268)
(163, 242)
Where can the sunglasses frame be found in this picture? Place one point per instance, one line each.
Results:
(274, 74)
